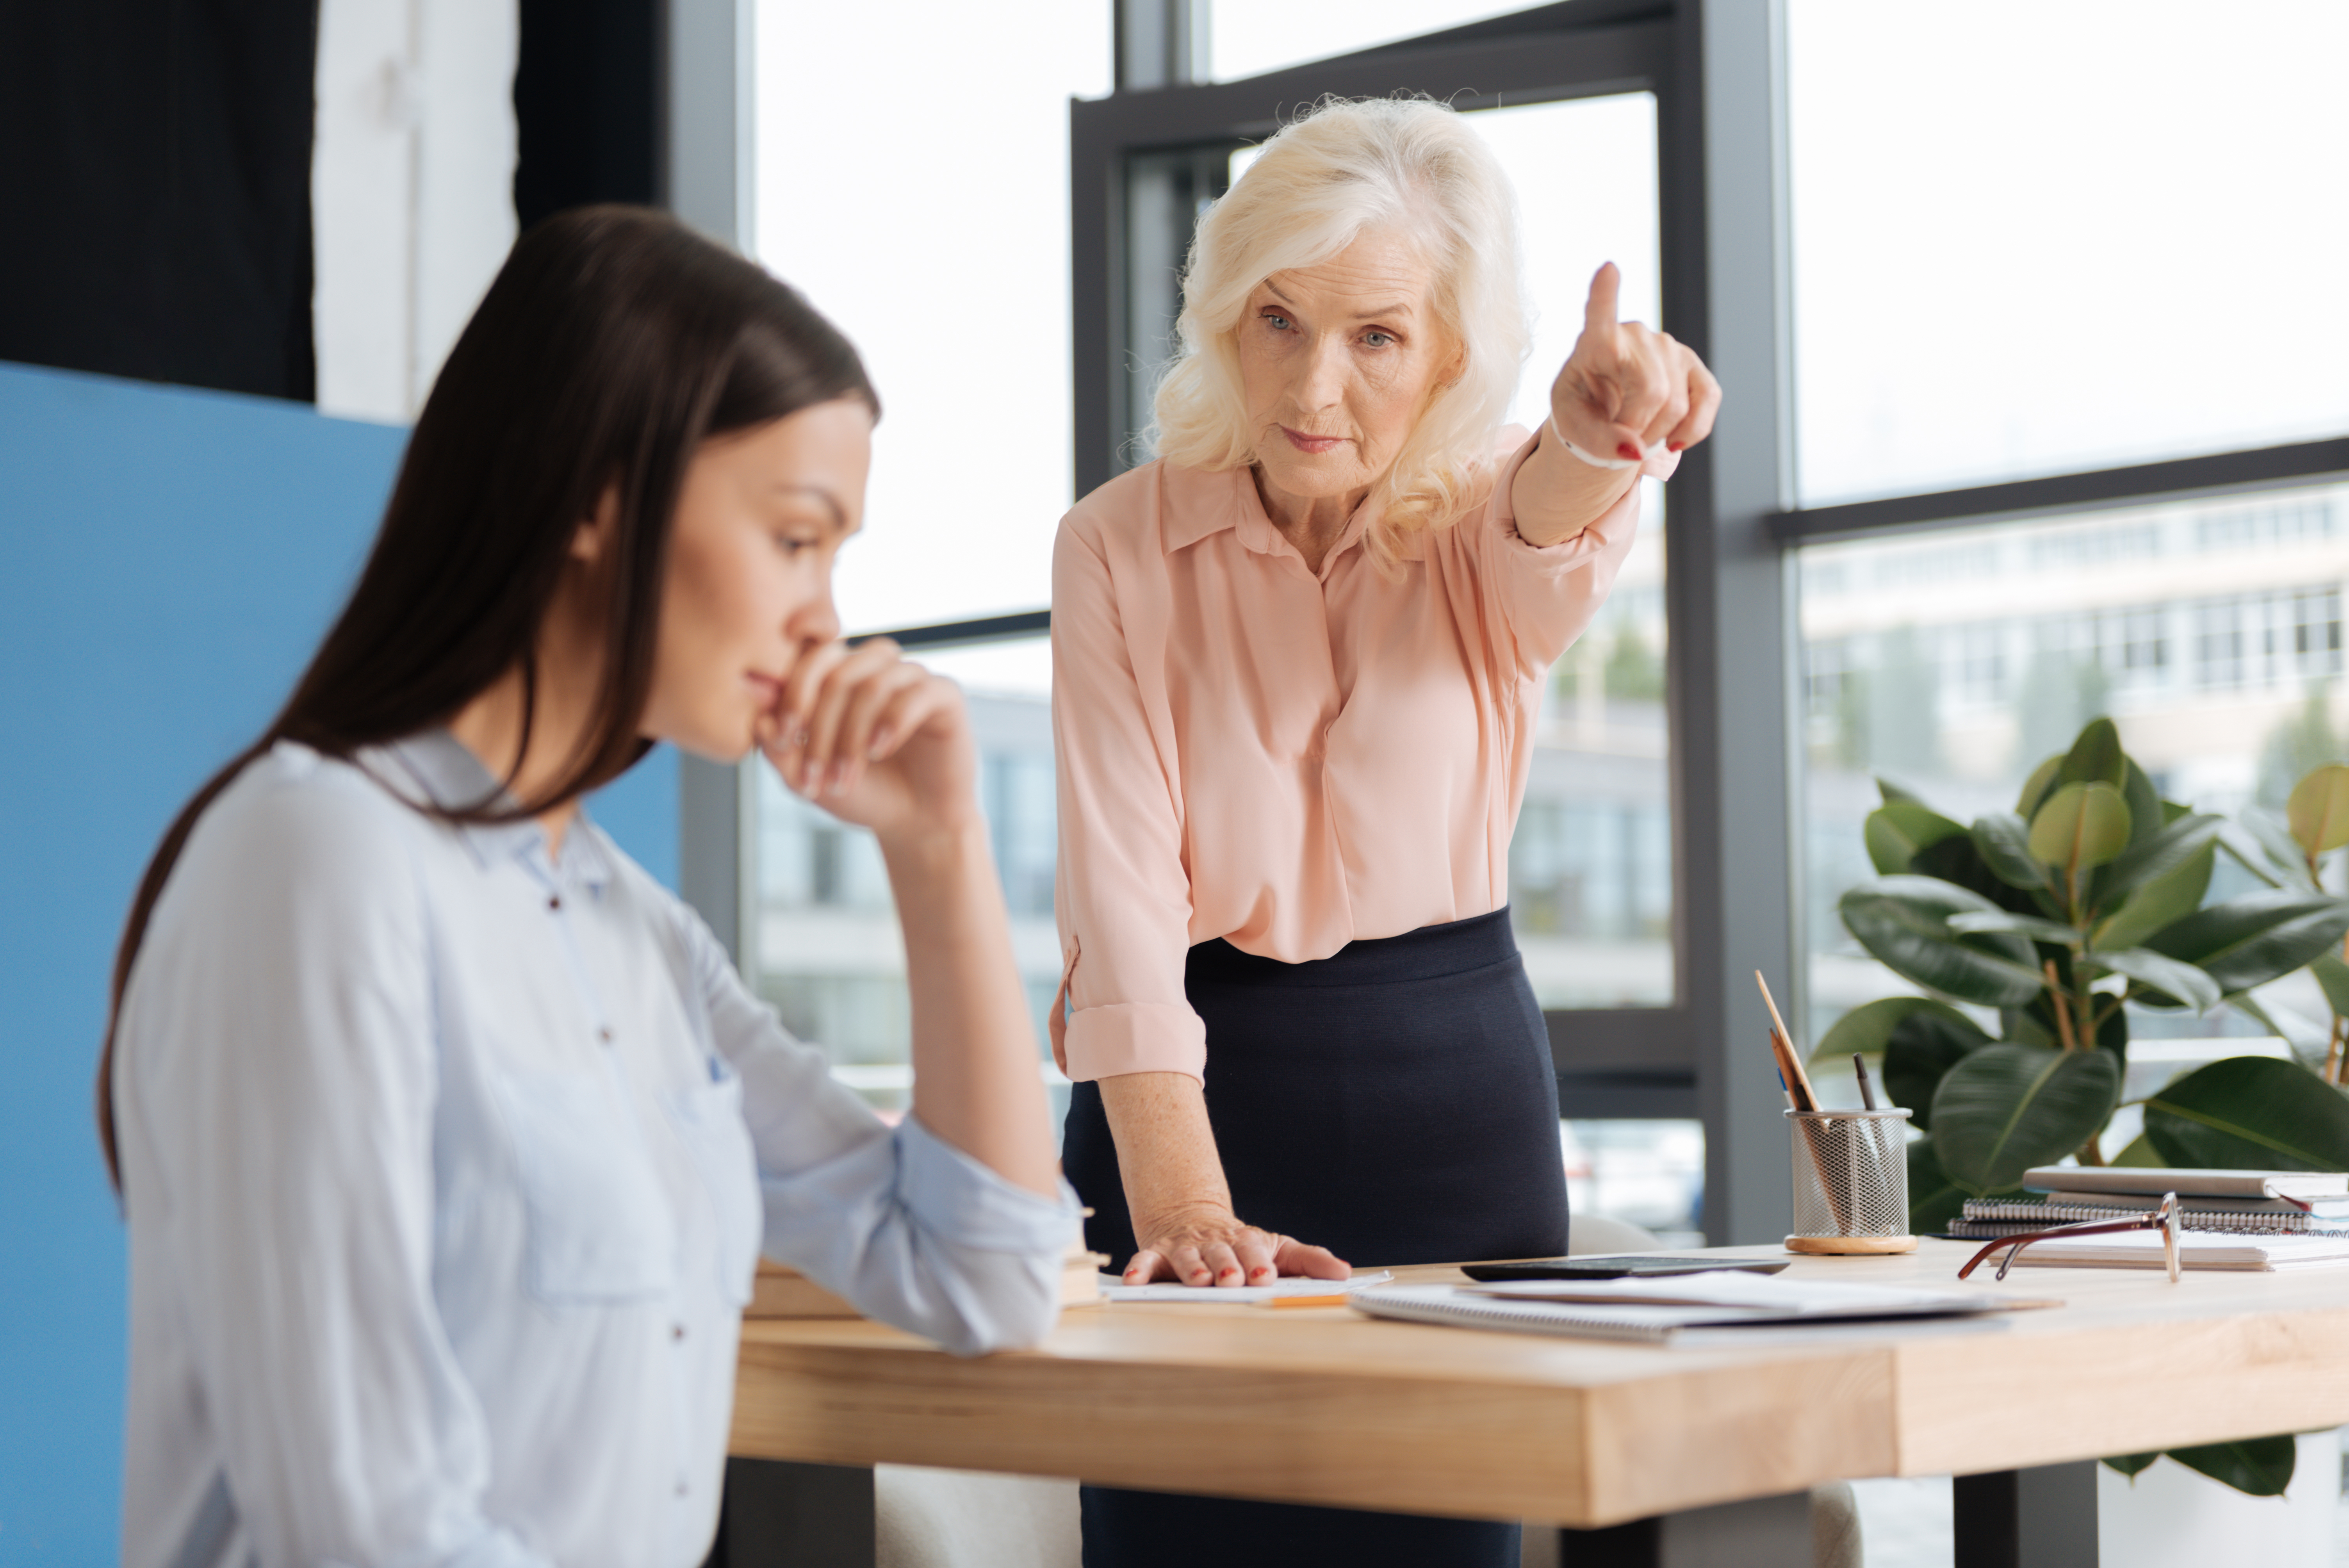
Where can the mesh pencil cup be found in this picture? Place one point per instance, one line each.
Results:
(1851, 1181)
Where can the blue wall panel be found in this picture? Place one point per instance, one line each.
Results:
(168, 560)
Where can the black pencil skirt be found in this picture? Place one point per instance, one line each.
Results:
(1394, 1103)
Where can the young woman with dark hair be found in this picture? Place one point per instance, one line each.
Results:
(448, 1138)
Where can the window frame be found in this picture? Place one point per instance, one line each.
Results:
(1716, 69)
(1611, 1063)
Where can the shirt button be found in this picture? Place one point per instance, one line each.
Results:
(555, 900)
(676, 1331)
(681, 1489)
(604, 1036)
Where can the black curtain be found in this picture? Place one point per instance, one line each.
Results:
(155, 172)
(587, 105)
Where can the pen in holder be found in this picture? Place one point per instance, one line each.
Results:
(1851, 1181)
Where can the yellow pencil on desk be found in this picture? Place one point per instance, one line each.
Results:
(1339, 1299)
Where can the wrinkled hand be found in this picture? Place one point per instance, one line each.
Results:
(1626, 388)
(877, 742)
(1212, 1247)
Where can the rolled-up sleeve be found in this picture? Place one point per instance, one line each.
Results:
(1546, 596)
(1122, 894)
(911, 1229)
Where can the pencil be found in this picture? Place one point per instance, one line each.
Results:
(1802, 1079)
(1305, 1300)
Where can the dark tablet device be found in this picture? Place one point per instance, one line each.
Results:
(1618, 1267)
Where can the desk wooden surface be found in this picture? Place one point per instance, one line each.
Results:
(1320, 1405)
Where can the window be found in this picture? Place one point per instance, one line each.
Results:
(1590, 871)
(1250, 38)
(931, 224)
(2096, 606)
(825, 949)
(2021, 258)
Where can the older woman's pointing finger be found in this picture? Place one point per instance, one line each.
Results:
(1627, 388)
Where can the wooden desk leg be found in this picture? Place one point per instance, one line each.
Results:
(783, 1515)
(2038, 1518)
(1766, 1532)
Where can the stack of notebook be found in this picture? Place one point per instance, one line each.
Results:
(2242, 1202)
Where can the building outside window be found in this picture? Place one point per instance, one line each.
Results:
(2034, 258)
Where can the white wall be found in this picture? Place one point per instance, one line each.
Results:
(411, 190)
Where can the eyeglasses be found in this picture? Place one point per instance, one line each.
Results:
(2167, 1218)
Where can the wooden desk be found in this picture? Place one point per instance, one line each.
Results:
(1320, 1405)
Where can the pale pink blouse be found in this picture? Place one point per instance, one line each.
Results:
(1285, 760)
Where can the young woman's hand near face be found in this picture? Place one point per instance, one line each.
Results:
(875, 741)
(888, 746)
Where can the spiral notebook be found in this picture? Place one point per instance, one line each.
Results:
(1987, 1217)
(1660, 1310)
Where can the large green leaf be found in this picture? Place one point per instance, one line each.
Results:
(1934, 1200)
(2034, 1023)
(2131, 1464)
(2263, 842)
(2260, 936)
(1893, 792)
(2080, 828)
(2145, 817)
(1895, 832)
(2249, 1113)
(1866, 1027)
(1904, 921)
(2261, 1467)
(2002, 839)
(2033, 927)
(2138, 1152)
(2318, 811)
(2005, 1108)
(2156, 855)
(1955, 859)
(2333, 976)
(2095, 758)
(2171, 976)
(2157, 905)
(2036, 789)
(1920, 1050)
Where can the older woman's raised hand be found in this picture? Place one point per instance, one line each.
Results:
(1627, 390)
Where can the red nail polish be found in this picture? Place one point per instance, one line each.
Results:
(1627, 452)
(1675, 445)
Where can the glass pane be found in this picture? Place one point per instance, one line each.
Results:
(1249, 37)
(2030, 238)
(946, 257)
(1952, 663)
(1590, 880)
(827, 952)
(1646, 1173)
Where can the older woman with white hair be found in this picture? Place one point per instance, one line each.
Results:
(1298, 662)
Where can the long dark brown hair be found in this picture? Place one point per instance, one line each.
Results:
(613, 341)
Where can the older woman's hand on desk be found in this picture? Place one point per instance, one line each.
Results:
(1629, 399)
(1180, 1205)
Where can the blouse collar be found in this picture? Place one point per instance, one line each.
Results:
(450, 775)
(1209, 503)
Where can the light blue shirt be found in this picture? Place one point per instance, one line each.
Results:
(448, 1167)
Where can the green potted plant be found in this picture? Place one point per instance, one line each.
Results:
(2091, 895)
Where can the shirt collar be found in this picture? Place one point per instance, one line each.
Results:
(446, 774)
(1216, 502)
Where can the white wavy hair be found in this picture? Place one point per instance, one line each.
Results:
(1347, 167)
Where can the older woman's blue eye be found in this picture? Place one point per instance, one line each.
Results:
(1377, 339)
(1279, 321)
